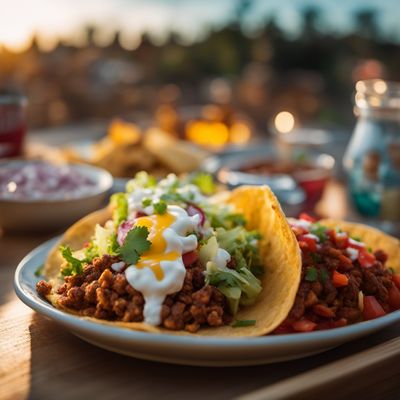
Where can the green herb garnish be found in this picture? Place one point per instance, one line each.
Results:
(160, 207)
(39, 270)
(369, 249)
(323, 275)
(136, 243)
(316, 257)
(146, 202)
(311, 274)
(204, 182)
(319, 231)
(73, 266)
(244, 323)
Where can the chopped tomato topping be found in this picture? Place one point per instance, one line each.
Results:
(283, 328)
(304, 325)
(190, 257)
(394, 297)
(309, 243)
(366, 259)
(372, 308)
(339, 279)
(307, 217)
(355, 245)
(298, 230)
(332, 324)
(396, 280)
(323, 311)
(339, 238)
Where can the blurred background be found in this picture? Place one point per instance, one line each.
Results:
(89, 60)
(253, 92)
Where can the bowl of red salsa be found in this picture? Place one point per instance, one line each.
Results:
(41, 196)
(287, 175)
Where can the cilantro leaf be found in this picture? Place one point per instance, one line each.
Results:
(324, 275)
(311, 274)
(136, 243)
(39, 270)
(146, 202)
(160, 207)
(244, 323)
(319, 231)
(74, 265)
(316, 258)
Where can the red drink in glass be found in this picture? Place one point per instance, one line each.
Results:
(12, 124)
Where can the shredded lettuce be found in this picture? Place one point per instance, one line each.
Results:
(104, 240)
(72, 265)
(119, 206)
(241, 244)
(141, 180)
(204, 182)
(222, 216)
(239, 285)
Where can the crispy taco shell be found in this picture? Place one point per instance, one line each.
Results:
(372, 237)
(278, 248)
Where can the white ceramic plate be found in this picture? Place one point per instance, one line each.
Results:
(188, 350)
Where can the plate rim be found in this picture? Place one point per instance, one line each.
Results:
(223, 342)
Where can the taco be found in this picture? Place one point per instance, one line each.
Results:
(165, 257)
(350, 273)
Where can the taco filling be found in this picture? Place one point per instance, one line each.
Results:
(168, 257)
(343, 280)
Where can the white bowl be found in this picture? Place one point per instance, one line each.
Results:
(51, 214)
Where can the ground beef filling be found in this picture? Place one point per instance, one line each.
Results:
(328, 306)
(103, 293)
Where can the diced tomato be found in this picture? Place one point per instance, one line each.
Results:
(323, 311)
(283, 329)
(190, 257)
(366, 259)
(394, 297)
(307, 217)
(396, 280)
(372, 308)
(339, 279)
(355, 245)
(339, 238)
(339, 323)
(304, 325)
(308, 242)
(332, 324)
(299, 230)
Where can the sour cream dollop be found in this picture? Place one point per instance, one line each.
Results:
(160, 271)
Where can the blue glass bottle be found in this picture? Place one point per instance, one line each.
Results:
(372, 158)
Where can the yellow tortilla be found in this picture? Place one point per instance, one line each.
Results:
(372, 237)
(278, 248)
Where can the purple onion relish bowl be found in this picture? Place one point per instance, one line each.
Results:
(41, 196)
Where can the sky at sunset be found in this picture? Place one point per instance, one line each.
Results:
(53, 20)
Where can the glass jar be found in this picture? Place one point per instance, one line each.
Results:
(372, 159)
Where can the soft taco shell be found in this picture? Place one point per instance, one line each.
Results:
(372, 237)
(278, 248)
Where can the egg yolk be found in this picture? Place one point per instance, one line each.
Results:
(156, 224)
